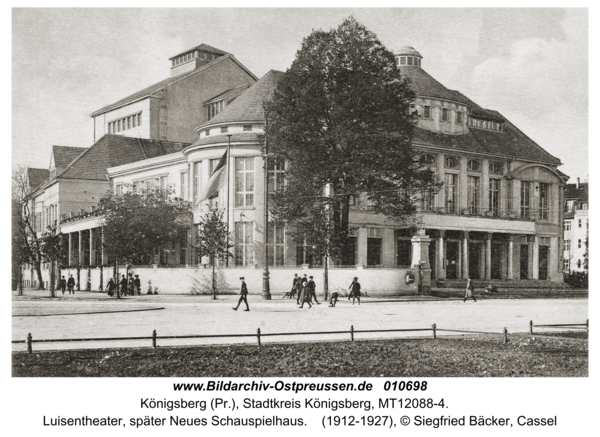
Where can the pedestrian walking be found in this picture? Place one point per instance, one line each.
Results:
(123, 284)
(62, 284)
(305, 296)
(298, 289)
(71, 284)
(137, 285)
(312, 289)
(110, 287)
(334, 298)
(130, 284)
(243, 296)
(469, 293)
(354, 290)
(292, 293)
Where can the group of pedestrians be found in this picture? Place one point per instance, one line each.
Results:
(69, 284)
(304, 290)
(129, 286)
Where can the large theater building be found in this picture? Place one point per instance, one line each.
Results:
(498, 215)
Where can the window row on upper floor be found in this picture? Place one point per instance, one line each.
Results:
(125, 123)
(453, 162)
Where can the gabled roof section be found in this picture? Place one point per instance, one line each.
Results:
(37, 176)
(114, 150)
(510, 143)
(581, 194)
(230, 94)
(423, 84)
(64, 155)
(152, 89)
(202, 48)
(249, 105)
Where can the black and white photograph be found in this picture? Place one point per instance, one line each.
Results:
(330, 219)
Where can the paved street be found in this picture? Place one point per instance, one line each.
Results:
(93, 315)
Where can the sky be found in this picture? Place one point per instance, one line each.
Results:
(531, 65)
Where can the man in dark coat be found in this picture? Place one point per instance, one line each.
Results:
(293, 291)
(62, 284)
(298, 286)
(354, 291)
(312, 289)
(71, 284)
(130, 286)
(243, 296)
(137, 284)
(334, 298)
(110, 287)
(123, 285)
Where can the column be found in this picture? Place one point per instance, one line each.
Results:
(361, 242)
(465, 257)
(462, 185)
(420, 260)
(92, 247)
(103, 261)
(536, 258)
(484, 203)
(388, 244)
(482, 261)
(510, 272)
(441, 271)
(70, 248)
(488, 256)
(530, 260)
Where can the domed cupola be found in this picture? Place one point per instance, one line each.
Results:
(408, 56)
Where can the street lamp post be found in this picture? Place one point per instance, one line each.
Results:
(266, 290)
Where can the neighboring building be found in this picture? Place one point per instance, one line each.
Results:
(576, 226)
(170, 109)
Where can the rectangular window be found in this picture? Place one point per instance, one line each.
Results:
(247, 128)
(567, 225)
(444, 114)
(133, 121)
(450, 192)
(473, 194)
(183, 186)
(197, 179)
(579, 222)
(163, 182)
(244, 243)
(276, 176)
(128, 122)
(427, 112)
(458, 117)
(244, 182)
(525, 199)
(494, 197)
(150, 184)
(410, 61)
(578, 244)
(224, 130)
(207, 132)
(276, 246)
(543, 206)
(567, 264)
(119, 190)
(402, 60)
(139, 117)
(567, 245)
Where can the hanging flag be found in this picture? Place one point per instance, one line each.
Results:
(216, 181)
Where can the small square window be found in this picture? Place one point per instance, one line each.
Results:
(247, 127)
(224, 130)
(410, 61)
(207, 132)
(427, 112)
(459, 117)
(402, 60)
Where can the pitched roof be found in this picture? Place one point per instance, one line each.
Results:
(63, 155)
(249, 105)
(230, 94)
(164, 83)
(423, 84)
(114, 150)
(511, 143)
(203, 48)
(581, 193)
(36, 176)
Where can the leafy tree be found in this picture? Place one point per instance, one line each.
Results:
(213, 240)
(138, 223)
(27, 238)
(340, 116)
(54, 248)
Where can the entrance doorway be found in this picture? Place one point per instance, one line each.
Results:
(524, 261)
(452, 248)
(404, 251)
(496, 260)
(475, 260)
(543, 262)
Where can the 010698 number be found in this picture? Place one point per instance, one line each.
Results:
(405, 385)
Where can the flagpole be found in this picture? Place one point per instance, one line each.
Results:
(228, 176)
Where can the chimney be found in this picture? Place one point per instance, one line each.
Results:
(577, 186)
